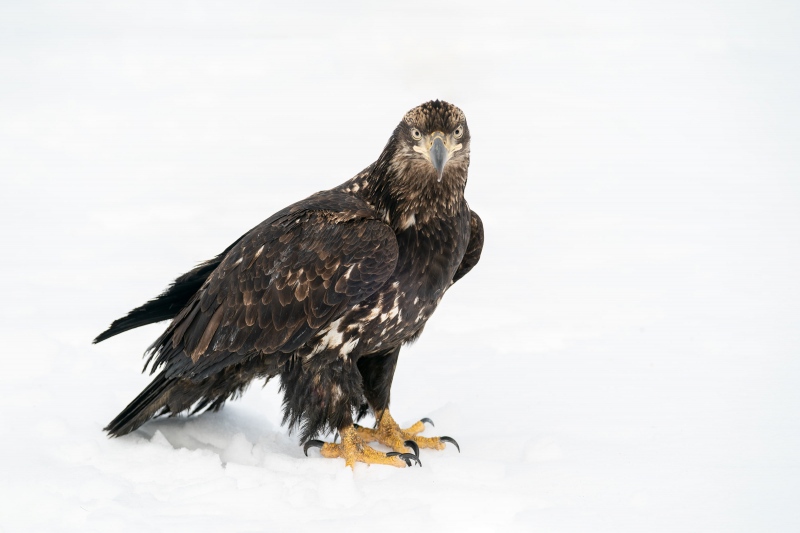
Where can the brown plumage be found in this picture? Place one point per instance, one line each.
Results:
(323, 293)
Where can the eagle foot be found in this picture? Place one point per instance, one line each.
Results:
(355, 449)
(390, 434)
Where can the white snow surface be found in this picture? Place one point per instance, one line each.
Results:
(623, 359)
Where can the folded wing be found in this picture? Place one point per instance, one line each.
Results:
(285, 280)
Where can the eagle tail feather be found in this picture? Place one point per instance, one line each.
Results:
(169, 303)
(170, 395)
(143, 407)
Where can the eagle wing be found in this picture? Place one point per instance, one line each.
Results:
(474, 247)
(291, 276)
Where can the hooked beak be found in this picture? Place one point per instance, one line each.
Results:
(438, 149)
(439, 156)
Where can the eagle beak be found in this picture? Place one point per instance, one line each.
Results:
(439, 156)
(437, 149)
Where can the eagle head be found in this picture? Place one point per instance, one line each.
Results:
(432, 140)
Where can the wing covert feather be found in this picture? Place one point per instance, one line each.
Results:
(285, 280)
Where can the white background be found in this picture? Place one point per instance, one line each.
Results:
(624, 358)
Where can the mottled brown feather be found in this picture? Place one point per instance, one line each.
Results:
(288, 278)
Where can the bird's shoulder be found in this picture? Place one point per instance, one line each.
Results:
(311, 221)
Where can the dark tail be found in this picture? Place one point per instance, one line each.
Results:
(173, 395)
(143, 407)
(168, 304)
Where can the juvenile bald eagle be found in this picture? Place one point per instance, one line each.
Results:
(323, 294)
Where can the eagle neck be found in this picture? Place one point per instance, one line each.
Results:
(405, 194)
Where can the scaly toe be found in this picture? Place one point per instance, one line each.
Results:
(354, 449)
(390, 434)
(429, 442)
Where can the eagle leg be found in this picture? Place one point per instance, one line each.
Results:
(389, 433)
(377, 371)
(354, 449)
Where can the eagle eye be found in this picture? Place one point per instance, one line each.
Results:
(416, 133)
(459, 131)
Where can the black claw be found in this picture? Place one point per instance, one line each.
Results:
(413, 445)
(428, 420)
(312, 444)
(451, 439)
(407, 457)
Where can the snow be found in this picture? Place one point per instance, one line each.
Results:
(624, 358)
